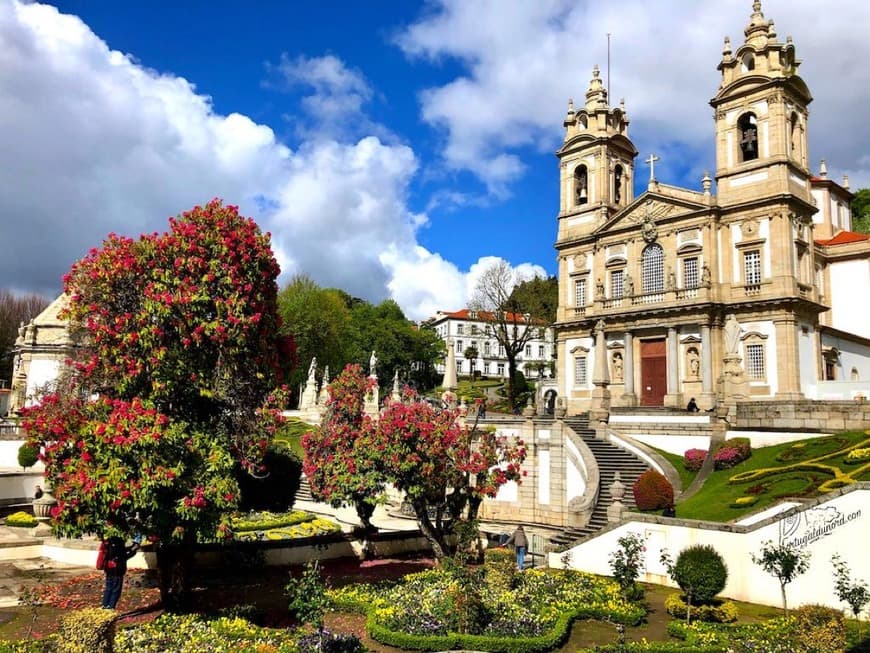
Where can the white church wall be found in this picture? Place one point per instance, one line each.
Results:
(850, 280)
(807, 356)
(42, 372)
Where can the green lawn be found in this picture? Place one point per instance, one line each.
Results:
(713, 501)
(291, 434)
(686, 477)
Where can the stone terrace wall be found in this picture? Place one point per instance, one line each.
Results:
(823, 416)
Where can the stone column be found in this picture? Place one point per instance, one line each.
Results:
(708, 396)
(628, 396)
(599, 413)
(787, 358)
(673, 397)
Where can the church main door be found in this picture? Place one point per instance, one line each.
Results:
(653, 372)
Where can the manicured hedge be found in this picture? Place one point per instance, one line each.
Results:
(652, 491)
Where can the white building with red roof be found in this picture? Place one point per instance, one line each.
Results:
(466, 331)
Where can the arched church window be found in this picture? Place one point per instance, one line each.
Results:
(747, 62)
(581, 182)
(652, 266)
(748, 128)
(617, 184)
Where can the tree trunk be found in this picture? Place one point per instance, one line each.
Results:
(784, 604)
(512, 370)
(174, 564)
(435, 537)
(364, 511)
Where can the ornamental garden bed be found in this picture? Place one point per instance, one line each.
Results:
(805, 469)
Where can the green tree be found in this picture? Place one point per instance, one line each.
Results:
(471, 355)
(15, 309)
(319, 321)
(538, 292)
(179, 335)
(514, 319)
(854, 593)
(785, 562)
(699, 571)
(861, 211)
(399, 343)
(308, 598)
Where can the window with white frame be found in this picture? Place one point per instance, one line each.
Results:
(500, 369)
(652, 268)
(460, 328)
(486, 348)
(690, 272)
(486, 368)
(501, 350)
(540, 351)
(458, 346)
(580, 293)
(528, 351)
(459, 367)
(752, 267)
(755, 361)
(580, 371)
(616, 284)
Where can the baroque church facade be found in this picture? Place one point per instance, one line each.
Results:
(745, 294)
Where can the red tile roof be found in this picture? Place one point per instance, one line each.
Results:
(843, 238)
(484, 316)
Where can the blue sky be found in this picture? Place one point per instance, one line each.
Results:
(393, 149)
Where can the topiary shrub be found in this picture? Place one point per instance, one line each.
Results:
(821, 628)
(276, 489)
(731, 453)
(91, 630)
(693, 459)
(700, 572)
(653, 491)
(21, 519)
(28, 454)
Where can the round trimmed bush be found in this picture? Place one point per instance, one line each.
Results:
(28, 454)
(653, 491)
(700, 572)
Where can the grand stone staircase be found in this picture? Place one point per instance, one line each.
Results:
(611, 459)
(304, 491)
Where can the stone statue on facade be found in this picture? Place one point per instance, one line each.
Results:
(617, 366)
(312, 369)
(628, 285)
(706, 281)
(671, 280)
(732, 335)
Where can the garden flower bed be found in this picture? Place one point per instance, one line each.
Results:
(421, 612)
(281, 526)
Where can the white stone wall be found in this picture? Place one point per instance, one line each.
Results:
(808, 357)
(838, 525)
(850, 286)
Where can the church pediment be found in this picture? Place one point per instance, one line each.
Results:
(646, 212)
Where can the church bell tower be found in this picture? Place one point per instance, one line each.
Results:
(596, 160)
(761, 118)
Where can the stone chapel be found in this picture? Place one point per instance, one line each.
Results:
(742, 292)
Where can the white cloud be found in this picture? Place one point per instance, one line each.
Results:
(524, 59)
(94, 143)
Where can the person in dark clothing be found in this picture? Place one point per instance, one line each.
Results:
(117, 554)
(670, 511)
(37, 492)
(692, 407)
(521, 544)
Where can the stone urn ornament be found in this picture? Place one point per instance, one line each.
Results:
(43, 505)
